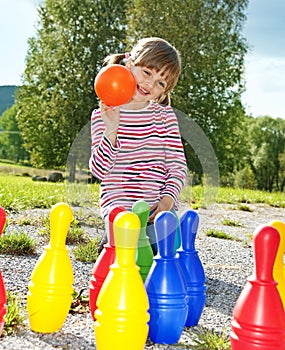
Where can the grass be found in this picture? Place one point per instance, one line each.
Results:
(18, 193)
(13, 318)
(75, 235)
(229, 222)
(197, 196)
(208, 339)
(244, 207)
(219, 234)
(87, 252)
(17, 243)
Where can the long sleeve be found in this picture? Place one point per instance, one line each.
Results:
(175, 158)
(147, 161)
(103, 153)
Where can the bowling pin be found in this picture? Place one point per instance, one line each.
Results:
(258, 316)
(279, 266)
(166, 285)
(192, 267)
(122, 303)
(3, 297)
(103, 262)
(50, 289)
(144, 252)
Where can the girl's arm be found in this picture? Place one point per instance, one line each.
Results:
(175, 159)
(175, 164)
(104, 146)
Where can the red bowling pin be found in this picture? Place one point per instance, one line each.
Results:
(258, 316)
(103, 262)
(2, 286)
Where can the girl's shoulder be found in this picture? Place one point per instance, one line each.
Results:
(95, 114)
(163, 110)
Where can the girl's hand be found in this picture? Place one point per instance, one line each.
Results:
(110, 116)
(165, 204)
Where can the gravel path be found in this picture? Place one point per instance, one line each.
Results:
(227, 265)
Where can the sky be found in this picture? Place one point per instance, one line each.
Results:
(264, 31)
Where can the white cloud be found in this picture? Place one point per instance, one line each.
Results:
(265, 86)
(265, 62)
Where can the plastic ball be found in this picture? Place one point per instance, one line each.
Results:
(115, 85)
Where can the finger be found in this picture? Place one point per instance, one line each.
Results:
(153, 207)
(152, 216)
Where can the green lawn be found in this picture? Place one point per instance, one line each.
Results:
(197, 195)
(19, 192)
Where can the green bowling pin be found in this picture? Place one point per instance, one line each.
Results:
(144, 257)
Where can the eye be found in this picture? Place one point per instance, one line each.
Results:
(162, 84)
(146, 72)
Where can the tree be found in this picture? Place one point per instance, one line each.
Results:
(267, 137)
(208, 36)
(57, 95)
(11, 142)
(267, 140)
(245, 178)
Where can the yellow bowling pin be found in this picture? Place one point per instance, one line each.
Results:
(122, 315)
(279, 266)
(50, 289)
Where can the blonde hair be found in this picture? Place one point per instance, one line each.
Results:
(155, 53)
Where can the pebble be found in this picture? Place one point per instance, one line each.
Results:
(227, 265)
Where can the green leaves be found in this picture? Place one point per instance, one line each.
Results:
(208, 36)
(57, 95)
(72, 39)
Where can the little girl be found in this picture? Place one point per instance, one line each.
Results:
(136, 149)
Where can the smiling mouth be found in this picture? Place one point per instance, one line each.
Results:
(142, 91)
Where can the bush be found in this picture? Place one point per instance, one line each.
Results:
(245, 178)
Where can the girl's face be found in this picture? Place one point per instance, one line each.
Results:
(151, 83)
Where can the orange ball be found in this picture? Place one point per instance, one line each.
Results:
(115, 85)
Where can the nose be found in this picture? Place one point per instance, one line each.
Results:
(149, 82)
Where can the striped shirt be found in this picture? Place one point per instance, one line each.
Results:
(147, 161)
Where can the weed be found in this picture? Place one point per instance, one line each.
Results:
(244, 207)
(80, 303)
(218, 234)
(204, 338)
(87, 252)
(76, 234)
(229, 222)
(13, 319)
(41, 220)
(247, 243)
(17, 243)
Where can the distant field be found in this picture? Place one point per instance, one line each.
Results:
(13, 169)
(18, 191)
(198, 195)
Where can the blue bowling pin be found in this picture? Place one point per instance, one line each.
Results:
(192, 267)
(166, 285)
